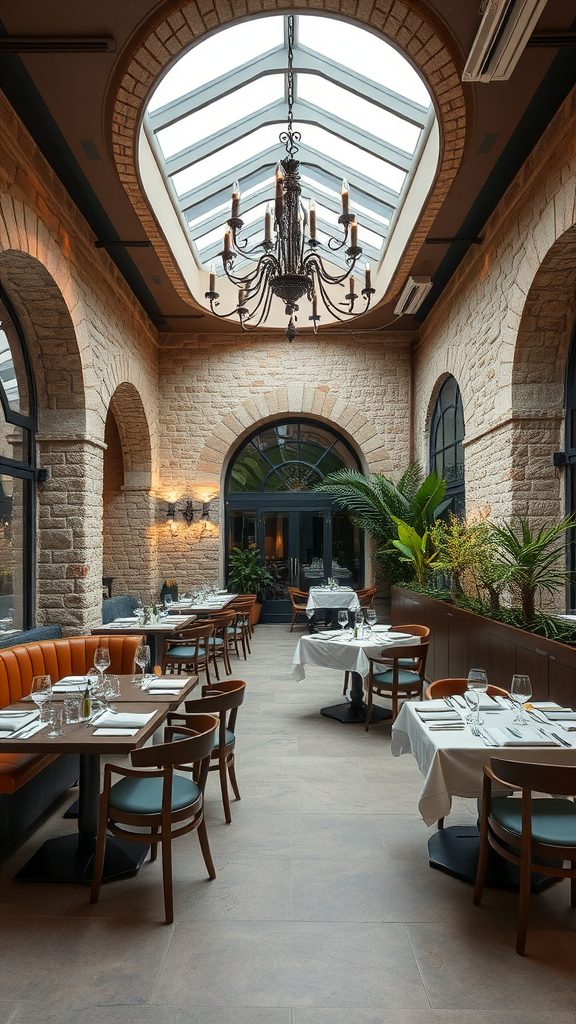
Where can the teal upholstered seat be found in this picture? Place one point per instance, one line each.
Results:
(184, 653)
(385, 678)
(144, 796)
(553, 821)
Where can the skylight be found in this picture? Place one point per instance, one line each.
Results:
(363, 112)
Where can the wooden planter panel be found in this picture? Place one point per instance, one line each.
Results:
(460, 641)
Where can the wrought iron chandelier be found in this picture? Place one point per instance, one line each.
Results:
(288, 263)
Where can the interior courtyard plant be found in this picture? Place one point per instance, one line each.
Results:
(247, 574)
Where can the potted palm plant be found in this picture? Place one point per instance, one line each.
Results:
(247, 575)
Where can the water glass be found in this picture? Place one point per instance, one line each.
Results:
(472, 698)
(478, 681)
(521, 691)
(142, 658)
(371, 617)
(41, 690)
(55, 712)
(111, 686)
(73, 710)
(343, 618)
(101, 660)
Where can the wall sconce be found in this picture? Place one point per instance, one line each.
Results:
(171, 511)
(188, 512)
(205, 510)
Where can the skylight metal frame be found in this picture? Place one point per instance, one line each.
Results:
(375, 197)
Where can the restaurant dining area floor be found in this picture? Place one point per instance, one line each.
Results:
(324, 909)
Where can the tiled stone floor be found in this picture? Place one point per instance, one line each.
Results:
(324, 910)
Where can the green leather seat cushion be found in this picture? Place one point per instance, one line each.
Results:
(144, 796)
(385, 678)
(553, 821)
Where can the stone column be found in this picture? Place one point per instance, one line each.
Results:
(69, 539)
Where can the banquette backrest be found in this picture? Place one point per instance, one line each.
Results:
(57, 658)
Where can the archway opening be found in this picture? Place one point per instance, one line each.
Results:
(271, 506)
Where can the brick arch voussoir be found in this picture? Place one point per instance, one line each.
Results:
(52, 323)
(319, 403)
(404, 23)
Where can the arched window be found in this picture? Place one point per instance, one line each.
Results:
(17, 475)
(288, 457)
(446, 436)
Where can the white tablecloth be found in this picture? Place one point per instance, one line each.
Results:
(324, 597)
(452, 762)
(343, 654)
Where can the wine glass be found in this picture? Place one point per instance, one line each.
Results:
(142, 657)
(343, 618)
(472, 698)
(41, 690)
(521, 691)
(478, 680)
(101, 662)
(371, 618)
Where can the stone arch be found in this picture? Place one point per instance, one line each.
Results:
(405, 24)
(318, 402)
(51, 339)
(130, 548)
(538, 381)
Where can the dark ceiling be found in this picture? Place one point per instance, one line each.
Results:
(61, 98)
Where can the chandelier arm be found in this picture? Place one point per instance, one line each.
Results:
(313, 260)
(264, 295)
(342, 315)
(266, 300)
(246, 281)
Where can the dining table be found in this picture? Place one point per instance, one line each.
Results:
(69, 858)
(341, 650)
(153, 631)
(451, 754)
(330, 599)
(189, 606)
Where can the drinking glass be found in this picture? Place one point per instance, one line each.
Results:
(521, 691)
(111, 686)
(478, 680)
(41, 690)
(371, 617)
(55, 719)
(101, 661)
(472, 698)
(343, 618)
(142, 657)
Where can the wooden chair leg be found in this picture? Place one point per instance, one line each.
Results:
(523, 906)
(154, 846)
(205, 847)
(232, 776)
(573, 887)
(293, 621)
(346, 678)
(223, 772)
(369, 708)
(167, 875)
(482, 859)
(440, 823)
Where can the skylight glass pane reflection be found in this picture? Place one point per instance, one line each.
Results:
(363, 53)
(216, 165)
(355, 206)
(220, 115)
(347, 155)
(218, 55)
(346, 105)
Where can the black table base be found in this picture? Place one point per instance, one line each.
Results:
(454, 850)
(65, 860)
(355, 710)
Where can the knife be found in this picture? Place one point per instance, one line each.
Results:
(561, 739)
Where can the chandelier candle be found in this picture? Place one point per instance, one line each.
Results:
(289, 264)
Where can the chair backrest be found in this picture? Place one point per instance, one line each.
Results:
(219, 619)
(117, 606)
(197, 746)
(195, 633)
(57, 658)
(418, 652)
(217, 697)
(448, 687)
(366, 596)
(541, 778)
(413, 628)
(297, 597)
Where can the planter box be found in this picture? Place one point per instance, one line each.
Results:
(461, 640)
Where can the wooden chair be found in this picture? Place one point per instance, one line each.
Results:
(245, 602)
(219, 641)
(396, 681)
(242, 607)
(449, 687)
(366, 596)
(298, 600)
(190, 651)
(410, 664)
(525, 831)
(222, 699)
(168, 805)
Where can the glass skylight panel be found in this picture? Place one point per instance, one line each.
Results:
(348, 155)
(350, 107)
(218, 55)
(363, 53)
(355, 206)
(229, 157)
(219, 115)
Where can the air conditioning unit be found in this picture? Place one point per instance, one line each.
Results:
(505, 29)
(415, 291)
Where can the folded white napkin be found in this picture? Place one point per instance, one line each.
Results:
(13, 722)
(437, 716)
(123, 720)
(163, 692)
(70, 684)
(559, 715)
(115, 732)
(530, 738)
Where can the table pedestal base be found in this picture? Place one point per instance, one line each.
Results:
(454, 850)
(64, 860)
(355, 710)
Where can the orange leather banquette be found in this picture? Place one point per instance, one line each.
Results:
(56, 658)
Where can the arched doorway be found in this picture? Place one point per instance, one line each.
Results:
(446, 449)
(270, 504)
